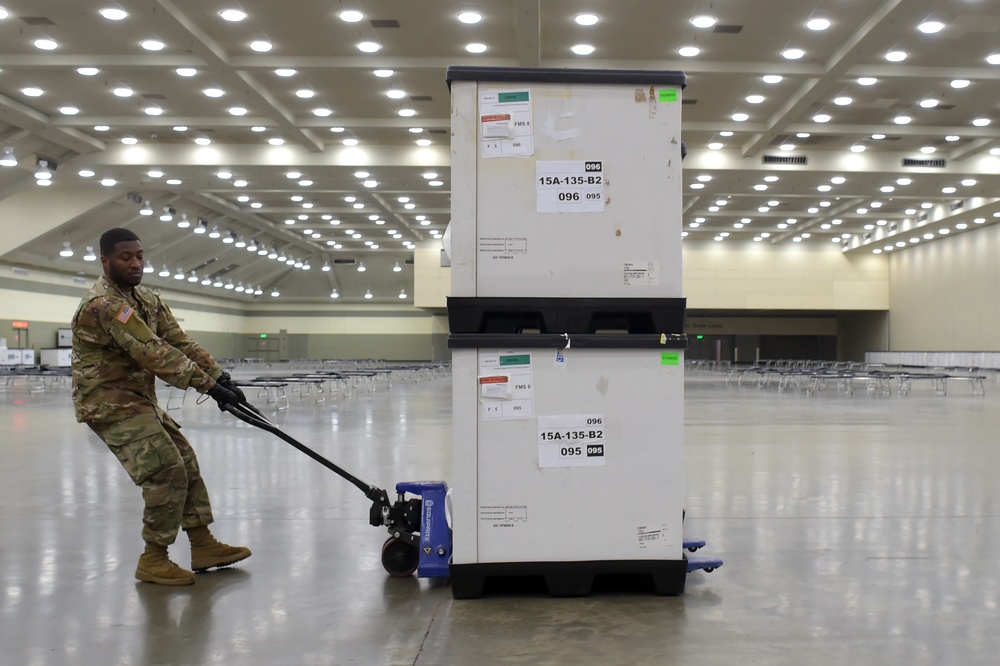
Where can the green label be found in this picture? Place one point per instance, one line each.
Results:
(521, 359)
(668, 95)
(670, 358)
(263, 335)
(522, 96)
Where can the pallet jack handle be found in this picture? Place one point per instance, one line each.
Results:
(247, 413)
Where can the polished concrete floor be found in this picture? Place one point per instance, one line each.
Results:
(855, 529)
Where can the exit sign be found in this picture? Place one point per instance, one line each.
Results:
(19, 324)
(263, 335)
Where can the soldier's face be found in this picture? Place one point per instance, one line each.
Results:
(124, 266)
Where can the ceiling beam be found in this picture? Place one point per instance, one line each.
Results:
(242, 122)
(171, 22)
(23, 116)
(857, 47)
(528, 32)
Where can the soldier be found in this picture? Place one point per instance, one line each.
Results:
(123, 338)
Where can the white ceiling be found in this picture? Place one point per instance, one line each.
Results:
(308, 36)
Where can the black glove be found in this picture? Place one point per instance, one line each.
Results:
(223, 396)
(227, 381)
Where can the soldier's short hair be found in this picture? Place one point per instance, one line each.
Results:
(112, 237)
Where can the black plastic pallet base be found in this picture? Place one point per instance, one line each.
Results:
(568, 579)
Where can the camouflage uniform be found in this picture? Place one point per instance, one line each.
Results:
(122, 341)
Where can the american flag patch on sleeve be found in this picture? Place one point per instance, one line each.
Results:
(125, 314)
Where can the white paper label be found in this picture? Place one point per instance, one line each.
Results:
(641, 273)
(569, 186)
(517, 401)
(571, 440)
(560, 362)
(505, 124)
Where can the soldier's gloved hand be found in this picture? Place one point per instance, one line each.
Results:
(227, 381)
(223, 396)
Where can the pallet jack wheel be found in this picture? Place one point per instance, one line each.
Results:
(399, 559)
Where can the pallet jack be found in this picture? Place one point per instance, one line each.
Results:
(419, 530)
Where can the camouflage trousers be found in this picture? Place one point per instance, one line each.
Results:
(160, 460)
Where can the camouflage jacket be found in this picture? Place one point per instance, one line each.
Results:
(121, 342)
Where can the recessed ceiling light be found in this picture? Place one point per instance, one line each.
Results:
(305, 93)
(46, 44)
(842, 101)
(726, 133)
(704, 178)
(470, 17)
(180, 128)
(395, 93)
(581, 49)
(305, 183)
(929, 103)
(114, 13)
(87, 71)
(895, 56)
(351, 16)
(792, 54)
(203, 141)
(69, 110)
(258, 128)
(369, 47)
(772, 78)
(755, 99)
(237, 111)
(867, 81)
(173, 181)
(475, 47)
(350, 142)
(930, 27)
(824, 188)
(129, 140)
(233, 15)
(968, 182)
(715, 145)
(285, 72)
(740, 117)
(322, 112)
(688, 51)
(821, 118)
(787, 146)
(586, 19)
(902, 120)
(981, 122)
(276, 141)
(770, 179)
(122, 91)
(153, 111)
(186, 71)
(383, 73)
(878, 137)
(214, 92)
(704, 21)
(960, 83)
(86, 173)
(952, 137)
(927, 150)
(31, 91)
(818, 24)
(260, 46)
(858, 148)
(152, 44)
(407, 113)
(337, 130)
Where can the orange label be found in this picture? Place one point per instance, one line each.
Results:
(495, 379)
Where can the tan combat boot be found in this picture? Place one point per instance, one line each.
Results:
(156, 567)
(207, 552)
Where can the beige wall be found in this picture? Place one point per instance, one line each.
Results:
(752, 276)
(944, 294)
